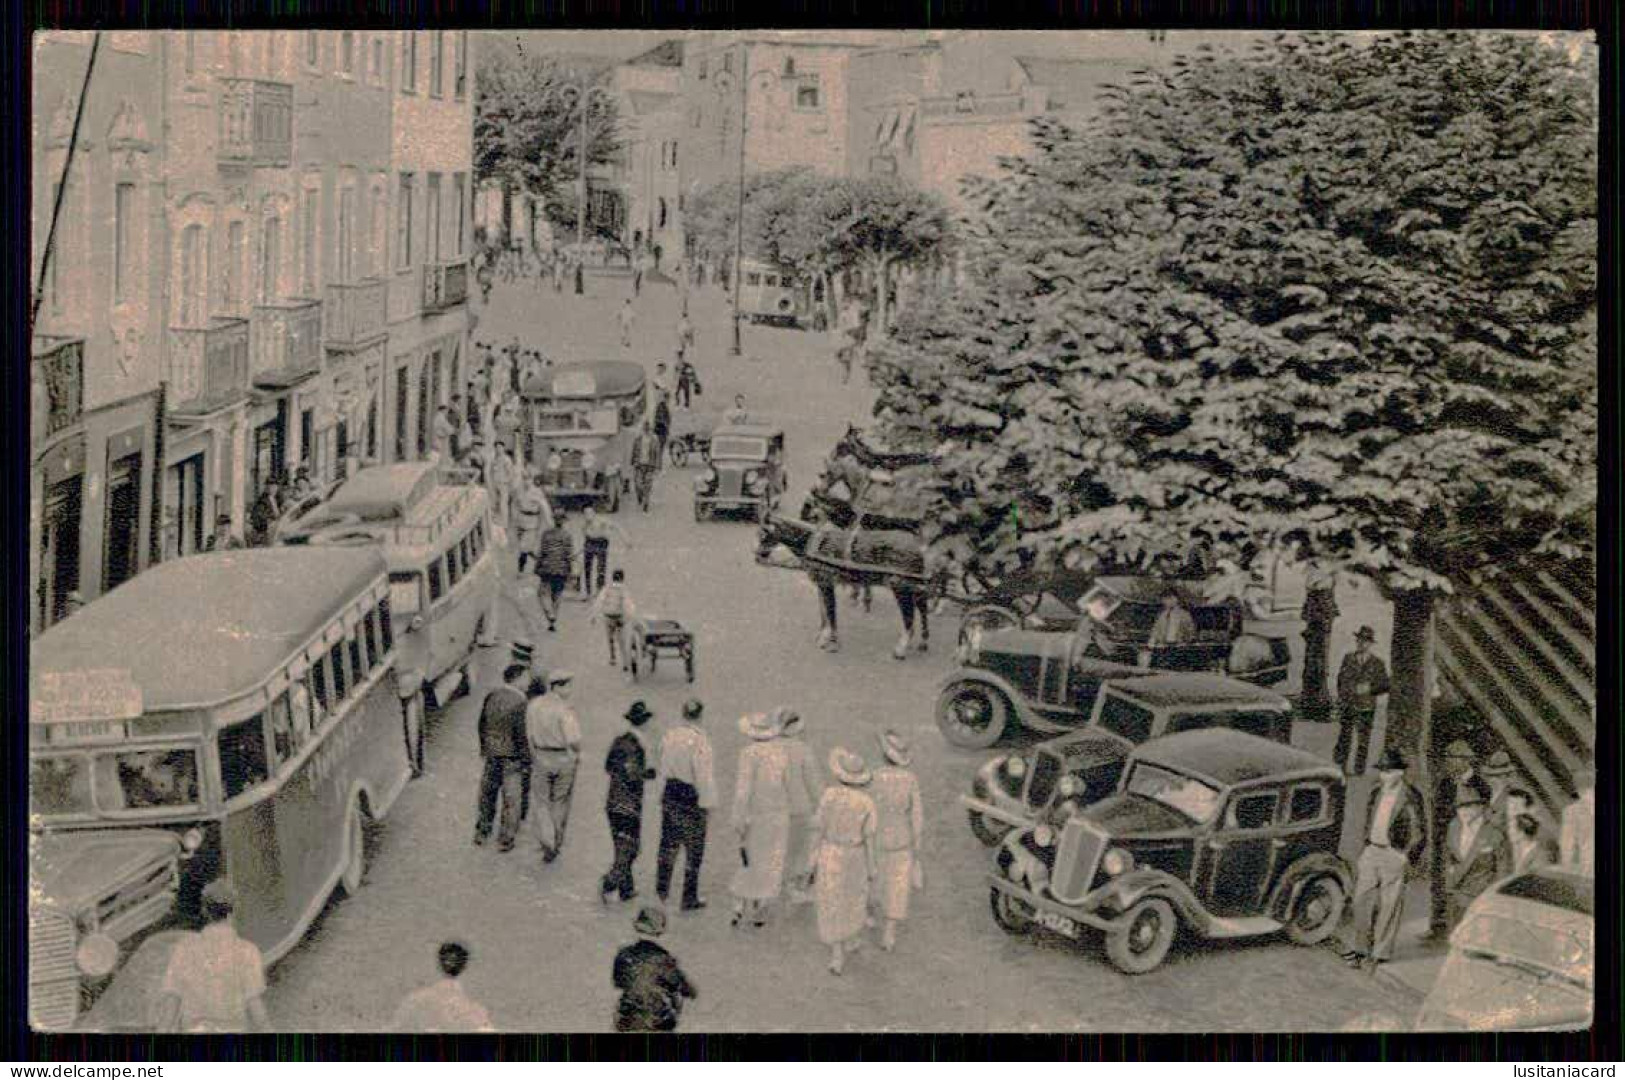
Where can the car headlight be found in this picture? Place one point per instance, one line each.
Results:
(1015, 767)
(192, 840)
(1117, 861)
(756, 482)
(554, 463)
(1044, 836)
(589, 461)
(417, 623)
(1069, 786)
(97, 955)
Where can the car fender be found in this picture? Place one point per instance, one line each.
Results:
(987, 796)
(1298, 874)
(1124, 891)
(1022, 713)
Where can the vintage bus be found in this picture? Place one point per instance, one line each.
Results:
(776, 295)
(435, 530)
(581, 420)
(244, 702)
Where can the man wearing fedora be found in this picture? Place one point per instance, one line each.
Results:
(555, 749)
(899, 834)
(1454, 771)
(1395, 831)
(1472, 849)
(1361, 680)
(685, 804)
(628, 767)
(653, 987)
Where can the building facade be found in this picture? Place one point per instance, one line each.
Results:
(245, 261)
(648, 94)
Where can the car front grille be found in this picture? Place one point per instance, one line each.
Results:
(1075, 875)
(1046, 774)
(730, 485)
(53, 974)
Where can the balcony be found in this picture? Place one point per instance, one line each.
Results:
(208, 367)
(256, 123)
(353, 314)
(286, 342)
(445, 284)
(59, 383)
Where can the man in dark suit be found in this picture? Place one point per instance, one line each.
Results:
(1361, 680)
(652, 986)
(505, 746)
(1472, 848)
(628, 767)
(1395, 831)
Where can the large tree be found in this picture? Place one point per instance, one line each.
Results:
(1339, 290)
(528, 130)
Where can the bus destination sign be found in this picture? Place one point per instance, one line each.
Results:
(90, 704)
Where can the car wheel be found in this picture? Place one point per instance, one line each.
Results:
(1141, 941)
(972, 715)
(988, 832)
(1013, 916)
(355, 853)
(1317, 912)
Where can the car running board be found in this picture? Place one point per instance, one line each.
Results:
(1248, 927)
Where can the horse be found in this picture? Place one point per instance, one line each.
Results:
(798, 537)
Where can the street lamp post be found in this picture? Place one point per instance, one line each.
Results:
(739, 204)
(583, 95)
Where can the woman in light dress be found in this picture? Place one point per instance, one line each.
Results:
(898, 835)
(764, 800)
(843, 860)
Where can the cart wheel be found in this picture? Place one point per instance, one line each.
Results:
(654, 661)
(678, 454)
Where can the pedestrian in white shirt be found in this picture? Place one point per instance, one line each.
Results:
(614, 605)
(555, 752)
(685, 804)
(215, 981)
(1395, 833)
(444, 1006)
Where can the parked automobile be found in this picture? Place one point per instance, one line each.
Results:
(1217, 832)
(745, 471)
(1047, 681)
(1522, 959)
(1055, 779)
(93, 896)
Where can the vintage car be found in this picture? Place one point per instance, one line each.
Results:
(745, 471)
(1522, 959)
(1218, 832)
(1055, 779)
(93, 895)
(1047, 681)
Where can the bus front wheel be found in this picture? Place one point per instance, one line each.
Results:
(355, 848)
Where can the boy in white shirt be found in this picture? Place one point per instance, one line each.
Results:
(614, 603)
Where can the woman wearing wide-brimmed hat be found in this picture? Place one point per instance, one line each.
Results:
(763, 803)
(898, 835)
(843, 860)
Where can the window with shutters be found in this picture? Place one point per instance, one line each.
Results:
(437, 53)
(403, 223)
(409, 62)
(123, 243)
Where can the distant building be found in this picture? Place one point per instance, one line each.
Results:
(648, 89)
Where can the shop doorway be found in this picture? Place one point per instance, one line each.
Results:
(122, 555)
(59, 548)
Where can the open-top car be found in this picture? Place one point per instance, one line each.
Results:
(1057, 778)
(1218, 832)
(745, 471)
(1047, 681)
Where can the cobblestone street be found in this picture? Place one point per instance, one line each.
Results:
(542, 944)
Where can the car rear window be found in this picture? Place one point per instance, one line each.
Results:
(1122, 717)
(1570, 895)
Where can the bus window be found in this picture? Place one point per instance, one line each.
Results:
(284, 744)
(341, 683)
(302, 705)
(358, 663)
(406, 592)
(466, 546)
(454, 566)
(370, 632)
(243, 762)
(318, 683)
(436, 589)
(59, 785)
(386, 632)
(479, 538)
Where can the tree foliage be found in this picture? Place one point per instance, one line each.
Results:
(1341, 290)
(527, 128)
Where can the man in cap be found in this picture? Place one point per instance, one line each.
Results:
(1361, 680)
(444, 1005)
(627, 764)
(685, 804)
(1472, 848)
(505, 748)
(555, 749)
(1394, 834)
(652, 986)
(215, 979)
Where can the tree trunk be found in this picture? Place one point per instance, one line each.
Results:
(880, 265)
(1410, 713)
